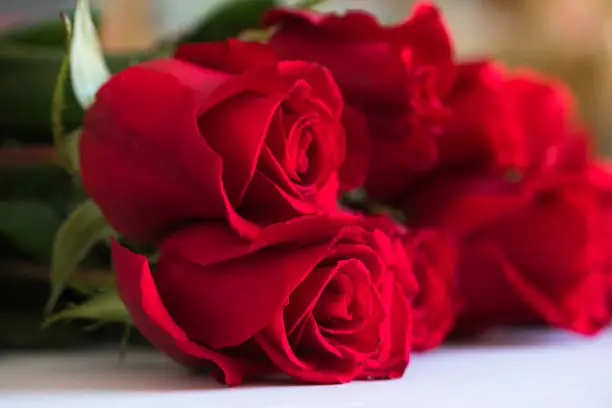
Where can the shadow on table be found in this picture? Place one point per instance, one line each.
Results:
(517, 338)
(147, 370)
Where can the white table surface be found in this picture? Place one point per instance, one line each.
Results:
(518, 369)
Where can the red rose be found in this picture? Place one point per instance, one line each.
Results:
(601, 177)
(530, 249)
(497, 119)
(395, 76)
(483, 129)
(224, 130)
(324, 299)
(434, 260)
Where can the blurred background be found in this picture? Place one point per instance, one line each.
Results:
(570, 39)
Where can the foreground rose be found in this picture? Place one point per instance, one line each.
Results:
(224, 130)
(434, 260)
(396, 77)
(324, 299)
(531, 248)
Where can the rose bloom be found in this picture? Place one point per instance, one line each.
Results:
(493, 115)
(394, 77)
(519, 198)
(221, 131)
(531, 246)
(324, 299)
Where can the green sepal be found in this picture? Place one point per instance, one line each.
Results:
(102, 308)
(58, 104)
(84, 228)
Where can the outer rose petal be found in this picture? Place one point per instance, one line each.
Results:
(127, 133)
(139, 293)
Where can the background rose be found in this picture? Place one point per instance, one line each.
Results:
(324, 299)
(500, 118)
(497, 119)
(530, 249)
(516, 191)
(483, 130)
(434, 259)
(233, 134)
(601, 177)
(395, 76)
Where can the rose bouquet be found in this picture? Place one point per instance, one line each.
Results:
(327, 199)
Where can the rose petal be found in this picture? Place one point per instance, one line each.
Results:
(495, 292)
(139, 294)
(208, 300)
(143, 159)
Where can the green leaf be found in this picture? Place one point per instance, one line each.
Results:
(103, 308)
(90, 282)
(230, 20)
(84, 228)
(88, 69)
(30, 226)
(58, 104)
(28, 74)
(71, 150)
